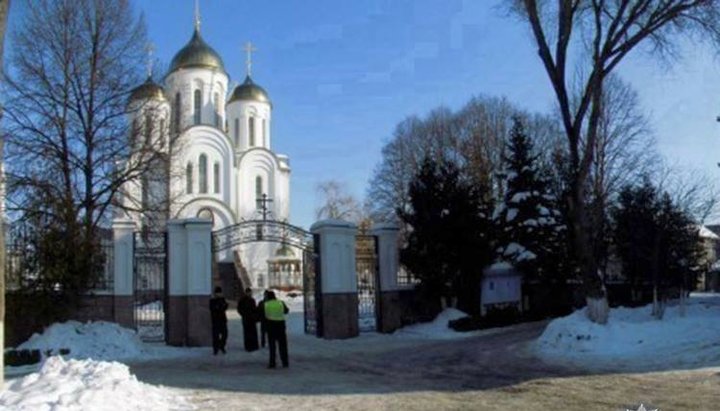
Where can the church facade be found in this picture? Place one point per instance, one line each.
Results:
(217, 160)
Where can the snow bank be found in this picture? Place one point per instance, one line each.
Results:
(632, 337)
(99, 340)
(436, 329)
(86, 385)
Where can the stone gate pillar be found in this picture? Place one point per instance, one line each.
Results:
(338, 280)
(388, 265)
(123, 272)
(189, 282)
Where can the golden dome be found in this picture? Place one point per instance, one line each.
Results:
(197, 53)
(249, 91)
(284, 251)
(149, 90)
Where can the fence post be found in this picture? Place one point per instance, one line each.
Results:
(123, 272)
(339, 295)
(389, 260)
(189, 282)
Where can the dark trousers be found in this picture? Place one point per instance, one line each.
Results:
(263, 332)
(277, 337)
(219, 337)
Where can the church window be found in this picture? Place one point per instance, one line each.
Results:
(216, 177)
(162, 133)
(251, 132)
(189, 178)
(145, 193)
(198, 106)
(148, 130)
(258, 190)
(237, 131)
(264, 133)
(216, 101)
(178, 107)
(202, 171)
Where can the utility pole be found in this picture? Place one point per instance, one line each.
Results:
(4, 11)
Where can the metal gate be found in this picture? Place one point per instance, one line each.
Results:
(311, 290)
(150, 278)
(366, 267)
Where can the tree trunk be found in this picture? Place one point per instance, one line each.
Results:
(4, 10)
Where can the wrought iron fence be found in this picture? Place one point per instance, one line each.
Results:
(150, 279)
(367, 283)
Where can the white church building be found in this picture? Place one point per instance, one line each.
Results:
(216, 144)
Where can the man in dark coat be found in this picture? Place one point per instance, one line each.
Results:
(218, 306)
(248, 311)
(275, 311)
(263, 321)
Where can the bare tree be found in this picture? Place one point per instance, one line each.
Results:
(4, 11)
(338, 204)
(603, 33)
(73, 66)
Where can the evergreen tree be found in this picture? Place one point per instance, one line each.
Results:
(447, 246)
(530, 234)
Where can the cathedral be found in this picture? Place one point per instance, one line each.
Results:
(217, 157)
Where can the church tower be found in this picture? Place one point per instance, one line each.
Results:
(217, 143)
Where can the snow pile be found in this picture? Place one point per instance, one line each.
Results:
(436, 329)
(86, 385)
(632, 337)
(98, 340)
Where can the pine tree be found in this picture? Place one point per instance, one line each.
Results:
(447, 245)
(530, 235)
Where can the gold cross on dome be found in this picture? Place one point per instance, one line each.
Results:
(197, 15)
(249, 49)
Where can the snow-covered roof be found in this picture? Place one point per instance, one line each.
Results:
(707, 233)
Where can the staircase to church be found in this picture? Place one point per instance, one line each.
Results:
(232, 277)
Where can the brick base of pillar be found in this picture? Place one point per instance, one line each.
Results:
(123, 310)
(391, 314)
(188, 321)
(340, 315)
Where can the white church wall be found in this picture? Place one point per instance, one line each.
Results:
(209, 82)
(242, 111)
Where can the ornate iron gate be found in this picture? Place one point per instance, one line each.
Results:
(150, 278)
(283, 233)
(366, 267)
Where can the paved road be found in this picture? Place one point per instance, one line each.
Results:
(494, 371)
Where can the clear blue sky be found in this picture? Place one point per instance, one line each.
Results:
(342, 73)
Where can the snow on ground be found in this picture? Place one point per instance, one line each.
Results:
(633, 338)
(436, 329)
(101, 340)
(62, 385)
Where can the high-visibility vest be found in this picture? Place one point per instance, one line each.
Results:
(274, 310)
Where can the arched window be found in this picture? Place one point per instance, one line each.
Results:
(197, 100)
(161, 133)
(264, 133)
(202, 171)
(216, 103)
(145, 193)
(189, 178)
(251, 130)
(148, 130)
(258, 190)
(177, 112)
(237, 131)
(216, 177)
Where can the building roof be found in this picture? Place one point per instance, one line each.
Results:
(149, 90)
(249, 91)
(197, 53)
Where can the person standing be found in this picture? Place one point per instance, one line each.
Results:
(275, 311)
(218, 306)
(248, 311)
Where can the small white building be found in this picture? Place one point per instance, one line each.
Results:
(501, 286)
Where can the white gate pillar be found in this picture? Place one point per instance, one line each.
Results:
(189, 282)
(123, 289)
(338, 279)
(389, 263)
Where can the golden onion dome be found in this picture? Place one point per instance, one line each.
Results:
(149, 90)
(284, 251)
(195, 54)
(249, 91)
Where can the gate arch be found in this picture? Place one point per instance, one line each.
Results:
(280, 232)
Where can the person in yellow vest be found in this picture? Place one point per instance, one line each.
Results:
(275, 311)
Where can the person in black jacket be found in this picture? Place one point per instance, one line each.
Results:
(218, 306)
(248, 311)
